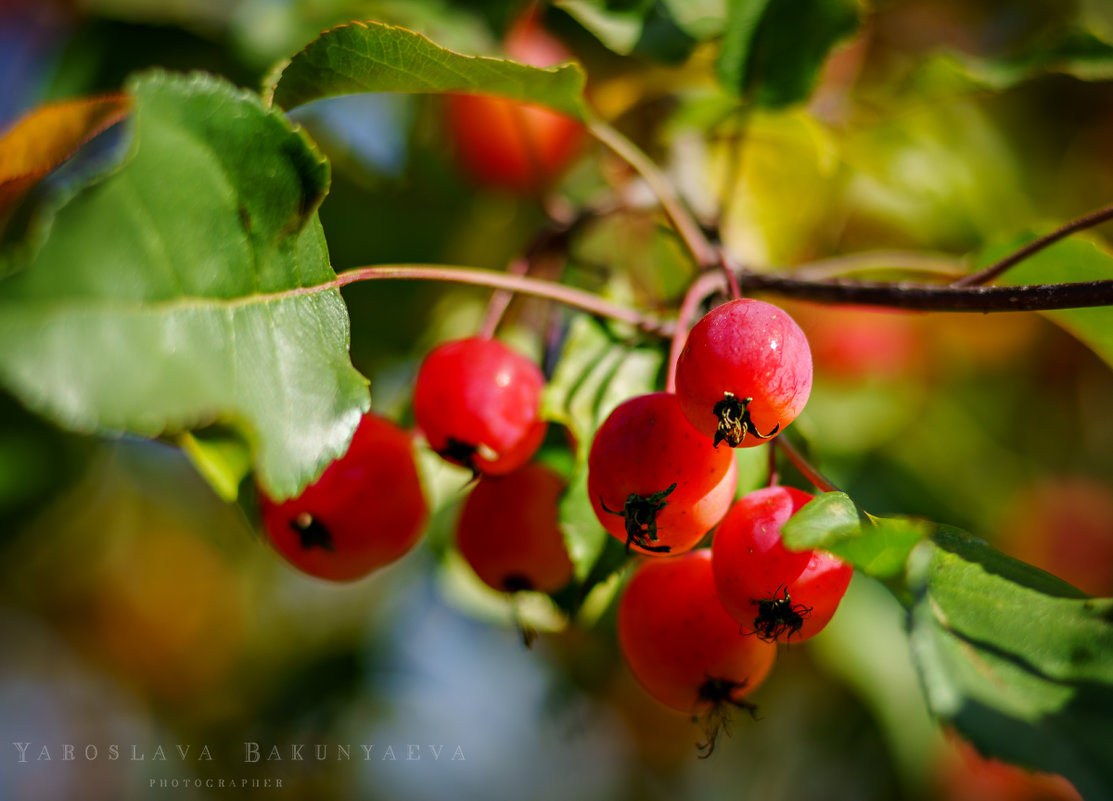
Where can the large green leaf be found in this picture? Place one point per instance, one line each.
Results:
(878, 546)
(1076, 259)
(1019, 661)
(373, 57)
(186, 288)
(773, 51)
(595, 374)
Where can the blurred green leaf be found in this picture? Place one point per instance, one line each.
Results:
(179, 291)
(595, 373)
(1016, 659)
(1074, 259)
(662, 30)
(1074, 52)
(773, 51)
(222, 457)
(616, 26)
(700, 19)
(878, 546)
(743, 18)
(585, 538)
(373, 57)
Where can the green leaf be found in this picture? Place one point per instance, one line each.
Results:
(663, 30)
(773, 51)
(189, 287)
(700, 19)
(619, 28)
(1079, 53)
(1019, 661)
(223, 458)
(878, 546)
(584, 537)
(373, 57)
(743, 17)
(595, 373)
(1075, 259)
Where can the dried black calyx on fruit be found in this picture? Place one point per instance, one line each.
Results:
(312, 533)
(640, 513)
(516, 582)
(722, 695)
(734, 421)
(778, 615)
(464, 453)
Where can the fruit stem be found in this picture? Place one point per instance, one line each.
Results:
(685, 225)
(774, 475)
(700, 288)
(475, 276)
(1017, 256)
(500, 300)
(731, 273)
(818, 480)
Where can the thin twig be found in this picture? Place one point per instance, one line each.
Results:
(998, 267)
(703, 252)
(774, 475)
(730, 272)
(474, 276)
(818, 480)
(500, 300)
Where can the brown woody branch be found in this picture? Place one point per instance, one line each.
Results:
(935, 297)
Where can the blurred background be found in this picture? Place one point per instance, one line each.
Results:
(137, 609)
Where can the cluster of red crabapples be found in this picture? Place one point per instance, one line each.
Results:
(698, 629)
(698, 626)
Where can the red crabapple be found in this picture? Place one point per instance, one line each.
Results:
(854, 343)
(681, 644)
(745, 372)
(1064, 526)
(478, 404)
(509, 145)
(366, 510)
(653, 480)
(510, 534)
(777, 593)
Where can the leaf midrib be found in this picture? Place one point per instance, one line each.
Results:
(98, 303)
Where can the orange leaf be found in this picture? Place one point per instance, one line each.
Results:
(47, 136)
